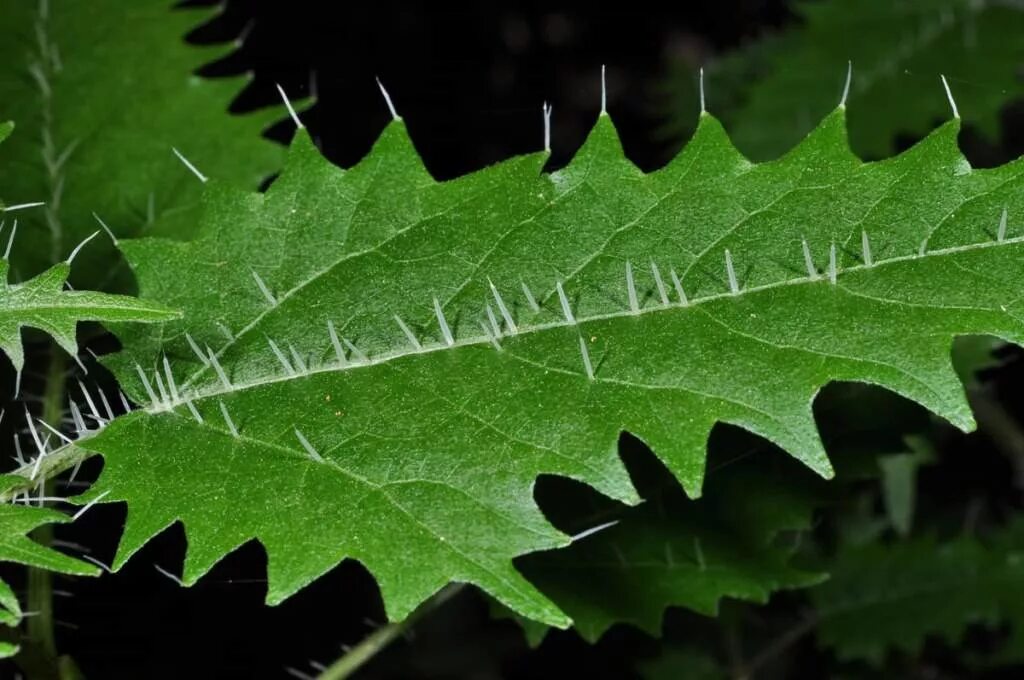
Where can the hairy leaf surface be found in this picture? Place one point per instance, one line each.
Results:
(101, 92)
(415, 450)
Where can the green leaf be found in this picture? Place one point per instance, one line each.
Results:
(773, 91)
(97, 125)
(681, 662)
(533, 632)
(10, 610)
(1008, 546)
(672, 551)
(43, 303)
(17, 520)
(973, 354)
(422, 456)
(10, 615)
(892, 597)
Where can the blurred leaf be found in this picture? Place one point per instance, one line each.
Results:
(10, 615)
(773, 91)
(884, 597)
(676, 663)
(101, 92)
(671, 551)
(899, 482)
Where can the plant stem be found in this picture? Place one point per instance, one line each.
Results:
(56, 462)
(356, 657)
(1001, 427)
(733, 648)
(40, 626)
(776, 647)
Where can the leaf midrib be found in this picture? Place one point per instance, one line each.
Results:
(317, 275)
(218, 390)
(99, 307)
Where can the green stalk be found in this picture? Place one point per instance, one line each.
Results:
(40, 626)
(359, 655)
(1002, 428)
(57, 461)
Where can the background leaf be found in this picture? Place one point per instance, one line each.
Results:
(891, 597)
(10, 615)
(97, 125)
(773, 91)
(16, 520)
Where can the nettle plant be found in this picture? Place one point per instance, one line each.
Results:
(369, 364)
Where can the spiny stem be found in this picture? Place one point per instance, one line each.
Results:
(40, 627)
(359, 655)
(56, 462)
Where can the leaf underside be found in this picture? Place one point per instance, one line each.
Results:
(422, 453)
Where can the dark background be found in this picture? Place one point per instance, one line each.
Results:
(470, 84)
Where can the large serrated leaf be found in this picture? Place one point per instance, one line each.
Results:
(101, 92)
(415, 449)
